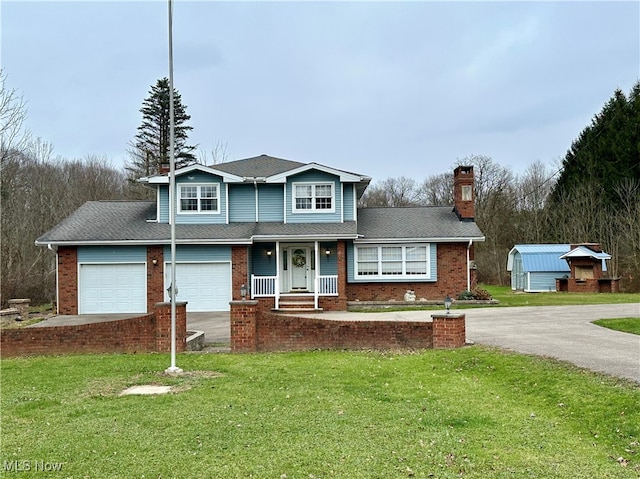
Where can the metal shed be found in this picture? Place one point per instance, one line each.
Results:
(535, 267)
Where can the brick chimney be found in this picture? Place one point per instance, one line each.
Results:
(463, 193)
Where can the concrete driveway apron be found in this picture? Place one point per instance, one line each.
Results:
(562, 332)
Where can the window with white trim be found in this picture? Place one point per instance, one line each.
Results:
(198, 199)
(392, 261)
(313, 197)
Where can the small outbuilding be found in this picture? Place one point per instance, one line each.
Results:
(535, 267)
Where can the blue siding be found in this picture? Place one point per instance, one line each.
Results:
(541, 282)
(197, 253)
(242, 203)
(328, 265)
(433, 264)
(196, 177)
(261, 263)
(314, 176)
(347, 203)
(163, 197)
(112, 254)
(271, 203)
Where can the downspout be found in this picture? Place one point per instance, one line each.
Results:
(255, 188)
(469, 265)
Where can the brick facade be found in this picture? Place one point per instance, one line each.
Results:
(145, 333)
(67, 280)
(155, 276)
(239, 270)
(452, 279)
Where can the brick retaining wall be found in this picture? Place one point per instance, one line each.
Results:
(255, 329)
(146, 333)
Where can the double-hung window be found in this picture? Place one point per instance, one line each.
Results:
(198, 199)
(313, 197)
(392, 262)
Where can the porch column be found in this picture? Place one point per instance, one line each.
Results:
(316, 279)
(278, 269)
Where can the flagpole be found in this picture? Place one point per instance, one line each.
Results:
(172, 195)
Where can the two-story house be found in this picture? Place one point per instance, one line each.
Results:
(282, 229)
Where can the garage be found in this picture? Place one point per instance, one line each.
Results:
(112, 288)
(205, 286)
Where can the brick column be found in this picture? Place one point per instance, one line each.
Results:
(163, 327)
(449, 330)
(243, 326)
(239, 270)
(67, 280)
(155, 276)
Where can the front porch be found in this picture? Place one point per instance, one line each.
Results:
(297, 274)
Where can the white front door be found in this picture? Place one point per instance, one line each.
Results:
(300, 268)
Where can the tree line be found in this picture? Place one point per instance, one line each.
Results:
(593, 197)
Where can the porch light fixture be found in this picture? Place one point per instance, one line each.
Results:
(269, 253)
(155, 262)
(447, 303)
(243, 291)
(327, 252)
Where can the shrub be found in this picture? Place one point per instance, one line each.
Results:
(477, 293)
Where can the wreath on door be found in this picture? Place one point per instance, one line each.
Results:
(298, 259)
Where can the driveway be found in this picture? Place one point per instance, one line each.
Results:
(562, 332)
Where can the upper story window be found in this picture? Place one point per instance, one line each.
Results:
(392, 261)
(313, 197)
(198, 199)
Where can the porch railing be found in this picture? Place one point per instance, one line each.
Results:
(263, 286)
(328, 285)
(266, 286)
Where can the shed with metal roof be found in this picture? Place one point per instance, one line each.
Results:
(535, 267)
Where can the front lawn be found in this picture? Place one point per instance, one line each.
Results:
(474, 412)
(626, 325)
(507, 297)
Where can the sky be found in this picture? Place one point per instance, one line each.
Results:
(384, 89)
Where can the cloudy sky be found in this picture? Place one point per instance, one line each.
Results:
(385, 89)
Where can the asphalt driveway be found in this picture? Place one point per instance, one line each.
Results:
(562, 332)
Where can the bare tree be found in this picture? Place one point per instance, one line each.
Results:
(392, 192)
(437, 190)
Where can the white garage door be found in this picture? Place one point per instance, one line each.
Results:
(112, 288)
(205, 286)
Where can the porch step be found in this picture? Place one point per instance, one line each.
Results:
(297, 310)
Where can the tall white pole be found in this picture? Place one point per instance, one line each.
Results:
(172, 196)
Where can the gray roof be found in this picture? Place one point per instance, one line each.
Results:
(415, 222)
(104, 222)
(258, 166)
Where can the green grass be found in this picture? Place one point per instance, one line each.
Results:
(507, 297)
(626, 325)
(473, 412)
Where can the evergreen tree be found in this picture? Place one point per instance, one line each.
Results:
(607, 151)
(150, 149)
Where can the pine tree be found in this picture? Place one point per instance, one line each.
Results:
(150, 149)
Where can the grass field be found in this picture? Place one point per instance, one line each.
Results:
(473, 412)
(507, 297)
(626, 325)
